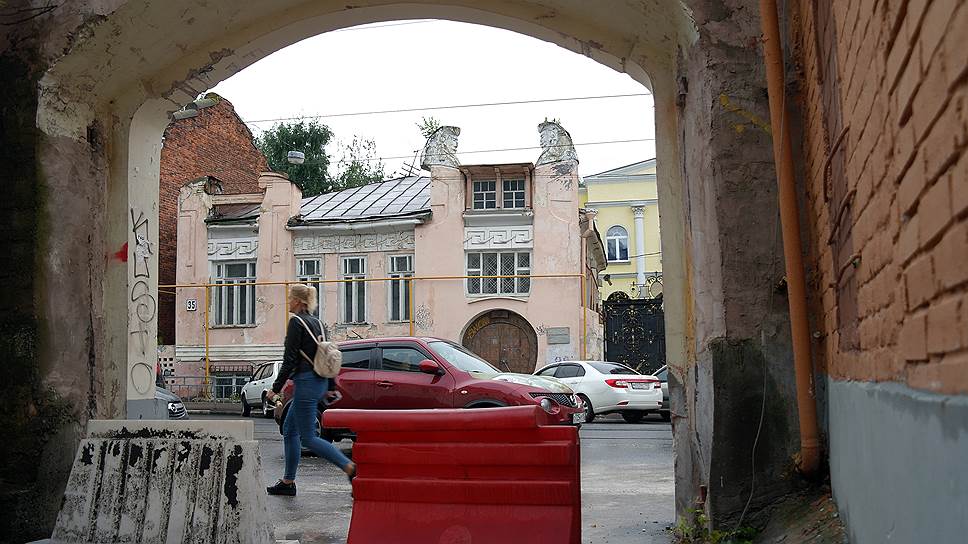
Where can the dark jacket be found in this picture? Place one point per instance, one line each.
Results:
(297, 338)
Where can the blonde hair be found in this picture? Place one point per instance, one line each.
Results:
(305, 294)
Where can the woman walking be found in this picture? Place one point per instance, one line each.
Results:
(299, 429)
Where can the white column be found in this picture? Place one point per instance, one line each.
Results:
(639, 213)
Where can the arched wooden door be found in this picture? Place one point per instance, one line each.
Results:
(504, 339)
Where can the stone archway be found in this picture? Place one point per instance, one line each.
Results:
(504, 339)
(104, 77)
(145, 73)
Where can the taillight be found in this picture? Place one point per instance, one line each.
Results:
(620, 384)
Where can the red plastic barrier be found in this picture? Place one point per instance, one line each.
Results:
(493, 475)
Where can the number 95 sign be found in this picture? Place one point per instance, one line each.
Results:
(191, 305)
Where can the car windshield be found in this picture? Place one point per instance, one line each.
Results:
(612, 368)
(463, 359)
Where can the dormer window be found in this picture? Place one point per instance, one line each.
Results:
(485, 195)
(513, 192)
(498, 187)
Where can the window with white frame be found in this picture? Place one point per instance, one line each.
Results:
(311, 270)
(513, 192)
(354, 292)
(498, 263)
(485, 195)
(617, 243)
(401, 266)
(233, 301)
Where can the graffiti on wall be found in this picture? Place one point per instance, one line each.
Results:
(145, 305)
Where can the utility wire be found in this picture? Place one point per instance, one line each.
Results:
(425, 108)
(368, 159)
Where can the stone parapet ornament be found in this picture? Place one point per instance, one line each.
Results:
(441, 148)
(556, 144)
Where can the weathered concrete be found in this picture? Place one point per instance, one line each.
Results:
(741, 337)
(179, 481)
(889, 442)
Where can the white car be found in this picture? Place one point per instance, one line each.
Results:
(609, 387)
(254, 392)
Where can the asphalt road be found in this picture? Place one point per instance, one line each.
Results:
(627, 485)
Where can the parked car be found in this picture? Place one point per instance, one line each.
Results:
(176, 408)
(663, 375)
(415, 373)
(254, 391)
(608, 387)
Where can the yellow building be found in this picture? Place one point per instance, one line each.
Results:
(626, 200)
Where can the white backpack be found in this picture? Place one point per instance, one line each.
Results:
(328, 359)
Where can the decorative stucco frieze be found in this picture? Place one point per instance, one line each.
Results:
(518, 237)
(239, 248)
(320, 244)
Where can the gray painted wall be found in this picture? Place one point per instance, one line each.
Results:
(899, 462)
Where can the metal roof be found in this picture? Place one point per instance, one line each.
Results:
(231, 213)
(401, 197)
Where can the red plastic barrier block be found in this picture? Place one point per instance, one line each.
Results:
(500, 475)
(415, 523)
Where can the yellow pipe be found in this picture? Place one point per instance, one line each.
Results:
(410, 281)
(428, 278)
(206, 341)
(581, 277)
(584, 317)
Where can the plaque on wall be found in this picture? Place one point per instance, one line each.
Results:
(558, 335)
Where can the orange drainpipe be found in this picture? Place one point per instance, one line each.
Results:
(790, 223)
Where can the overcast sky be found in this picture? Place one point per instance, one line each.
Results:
(417, 64)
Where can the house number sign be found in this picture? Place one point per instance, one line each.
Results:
(191, 305)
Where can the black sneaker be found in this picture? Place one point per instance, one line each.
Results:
(282, 488)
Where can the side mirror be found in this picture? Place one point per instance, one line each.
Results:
(431, 367)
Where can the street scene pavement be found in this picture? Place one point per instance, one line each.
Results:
(627, 485)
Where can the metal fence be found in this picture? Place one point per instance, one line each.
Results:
(218, 388)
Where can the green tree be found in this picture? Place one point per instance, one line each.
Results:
(428, 125)
(358, 165)
(309, 137)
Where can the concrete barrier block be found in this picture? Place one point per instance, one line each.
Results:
(166, 482)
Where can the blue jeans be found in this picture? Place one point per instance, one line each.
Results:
(299, 429)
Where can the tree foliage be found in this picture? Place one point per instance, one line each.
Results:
(428, 125)
(358, 164)
(311, 138)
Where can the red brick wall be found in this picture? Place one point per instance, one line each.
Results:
(887, 208)
(216, 143)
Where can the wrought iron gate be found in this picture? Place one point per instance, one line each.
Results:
(635, 333)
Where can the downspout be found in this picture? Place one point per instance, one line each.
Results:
(792, 250)
(589, 217)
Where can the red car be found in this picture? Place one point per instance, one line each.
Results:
(414, 373)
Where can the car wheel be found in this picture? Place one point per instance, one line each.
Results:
(589, 410)
(633, 417)
(266, 410)
(666, 415)
(246, 409)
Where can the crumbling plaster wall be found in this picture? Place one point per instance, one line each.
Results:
(743, 359)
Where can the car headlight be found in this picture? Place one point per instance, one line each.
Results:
(546, 404)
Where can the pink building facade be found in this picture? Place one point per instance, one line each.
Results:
(409, 255)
